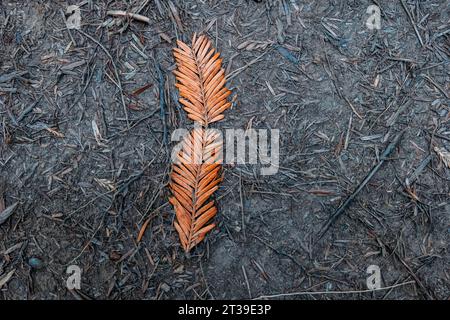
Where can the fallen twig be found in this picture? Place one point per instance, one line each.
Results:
(434, 83)
(352, 196)
(413, 177)
(4, 279)
(412, 22)
(303, 293)
(142, 230)
(116, 72)
(12, 75)
(135, 16)
(162, 101)
(29, 109)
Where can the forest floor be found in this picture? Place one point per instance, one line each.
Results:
(85, 154)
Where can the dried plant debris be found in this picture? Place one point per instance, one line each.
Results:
(195, 177)
(6, 212)
(444, 155)
(201, 81)
(5, 278)
(196, 172)
(251, 45)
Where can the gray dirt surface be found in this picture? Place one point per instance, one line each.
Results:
(86, 170)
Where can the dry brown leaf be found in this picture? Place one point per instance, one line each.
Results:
(55, 132)
(105, 183)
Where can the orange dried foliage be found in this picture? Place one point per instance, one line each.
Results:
(197, 172)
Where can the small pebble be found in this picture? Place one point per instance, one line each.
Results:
(179, 269)
(443, 112)
(35, 263)
(436, 103)
(165, 287)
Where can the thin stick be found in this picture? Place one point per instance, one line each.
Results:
(303, 293)
(369, 176)
(415, 175)
(242, 205)
(412, 22)
(246, 281)
(29, 109)
(436, 85)
(353, 108)
(135, 16)
(162, 101)
(239, 70)
(347, 136)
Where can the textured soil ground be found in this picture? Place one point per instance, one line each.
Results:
(84, 158)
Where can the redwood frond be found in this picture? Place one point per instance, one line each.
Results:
(201, 81)
(196, 172)
(195, 177)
